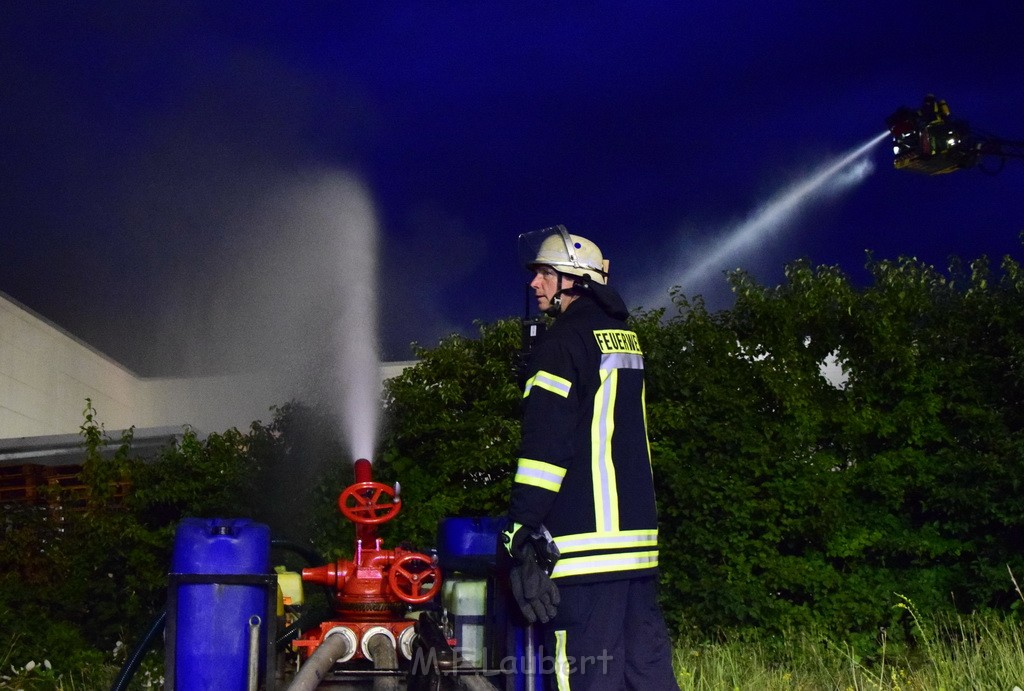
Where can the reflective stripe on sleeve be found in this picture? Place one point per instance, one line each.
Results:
(540, 474)
(604, 563)
(625, 539)
(549, 382)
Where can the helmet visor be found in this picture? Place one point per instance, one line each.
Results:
(551, 246)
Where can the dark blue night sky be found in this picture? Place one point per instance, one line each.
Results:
(155, 153)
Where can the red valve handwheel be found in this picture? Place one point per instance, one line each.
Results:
(414, 578)
(365, 503)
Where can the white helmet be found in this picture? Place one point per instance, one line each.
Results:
(565, 253)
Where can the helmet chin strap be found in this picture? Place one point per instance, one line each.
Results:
(555, 306)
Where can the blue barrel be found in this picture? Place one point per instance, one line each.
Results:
(468, 548)
(212, 619)
(468, 544)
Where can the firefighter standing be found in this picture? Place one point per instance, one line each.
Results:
(582, 507)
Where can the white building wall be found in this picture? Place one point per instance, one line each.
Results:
(214, 404)
(46, 374)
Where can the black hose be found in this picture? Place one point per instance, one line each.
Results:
(132, 663)
(308, 553)
(312, 558)
(305, 620)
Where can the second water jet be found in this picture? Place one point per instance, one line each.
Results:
(782, 209)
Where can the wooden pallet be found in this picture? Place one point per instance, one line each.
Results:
(57, 486)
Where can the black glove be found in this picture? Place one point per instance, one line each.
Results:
(534, 591)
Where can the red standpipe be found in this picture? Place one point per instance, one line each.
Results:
(365, 534)
(363, 470)
(374, 589)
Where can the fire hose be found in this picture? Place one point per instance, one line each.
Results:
(132, 663)
(320, 662)
(382, 651)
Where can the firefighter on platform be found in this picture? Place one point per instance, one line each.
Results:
(583, 528)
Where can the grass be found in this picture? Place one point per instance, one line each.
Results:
(967, 652)
(33, 675)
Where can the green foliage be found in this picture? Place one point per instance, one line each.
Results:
(305, 469)
(89, 569)
(453, 430)
(787, 500)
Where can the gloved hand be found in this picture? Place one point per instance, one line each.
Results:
(535, 593)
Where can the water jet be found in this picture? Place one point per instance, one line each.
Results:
(781, 210)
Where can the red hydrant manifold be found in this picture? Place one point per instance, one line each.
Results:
(375, 589)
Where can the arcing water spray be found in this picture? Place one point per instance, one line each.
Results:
(839, 175)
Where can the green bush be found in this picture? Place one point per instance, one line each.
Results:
(88, 572)
(452, 428)
(787, 500)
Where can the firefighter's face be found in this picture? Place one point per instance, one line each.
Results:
(545, 285)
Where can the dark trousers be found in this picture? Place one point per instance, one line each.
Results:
(609, 636)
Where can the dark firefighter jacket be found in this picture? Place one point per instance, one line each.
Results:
(584, 468)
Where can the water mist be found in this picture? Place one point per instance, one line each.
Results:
(339, 227)
(355, 332)
(782, 209)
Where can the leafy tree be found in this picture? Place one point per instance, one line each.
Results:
(300, 467)
(91, 566)
(787, 500)
(453, 430)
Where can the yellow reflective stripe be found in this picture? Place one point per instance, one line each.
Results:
(647, 437)
(507, 535)
(550, 382)
(605, 563)
(540, 474)
(623, 539)
(606, 501)
(561, 662)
